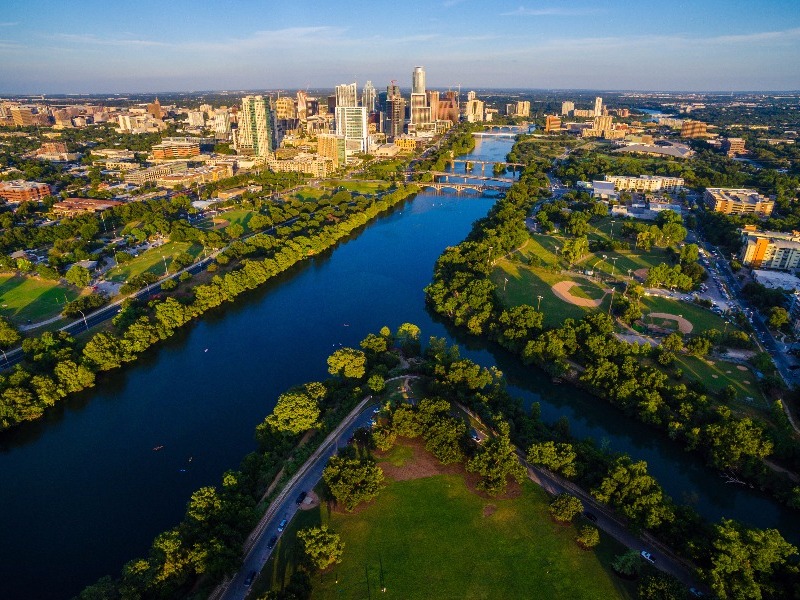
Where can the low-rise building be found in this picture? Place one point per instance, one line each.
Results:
(207, 174)
(406, 143)
(694, 129)
(17, 191)
(646, 183)
(552, 123)
(659, 148)
(78, 206)
(733, 146)
(733, 201)
(314, 165)
(151, 174)
(177, 149)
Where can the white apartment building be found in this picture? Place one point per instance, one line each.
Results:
(645, 183)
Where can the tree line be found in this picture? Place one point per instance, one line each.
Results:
(587, 353)
(56, 366)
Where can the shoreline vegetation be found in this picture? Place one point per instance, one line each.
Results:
(190, 559)
(57, 365)
(586, 353)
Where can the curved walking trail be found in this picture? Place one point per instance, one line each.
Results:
(562, 291)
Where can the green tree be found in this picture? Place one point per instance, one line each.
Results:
(778, 317)
(634, 493)
(234, 230)
(558, 457)
(661, 587)
(565, 508)
(495, 461)
(347, 362)
(297, 410)
(376, 383)
(352, 481)
(322, 547)
(9, 336)
(673, 343)
(588, 537)
(78, 276)
(743, 560)
(699, 346)
(628, 564)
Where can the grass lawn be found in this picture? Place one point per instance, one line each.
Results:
(359, 187)
(310, 193)
(241, 216)
(23, 298)
(152, 260)
(434, 538)
(720, 374)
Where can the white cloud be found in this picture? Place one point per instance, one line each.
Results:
(553, 11)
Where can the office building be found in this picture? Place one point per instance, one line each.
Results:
(598, 107)
(420, 114)
(222, 124)
(694, 129)
(733, 201)
(449, 109)
(567, 108)
(418, 81)
(587, 114)
(369, 97)
(433, 103)
(154, 110)
(351, 122)
(285, 109)
(474, 110)
(256, 132)
(471, 96)
(23, 116)
(395, 114)
(346, 95)
(175, 149)
(310, 164)
(332, 147)
(770, 249)
(645, 183)
(522, 109)
(733, 146)
(18, 191)
(552, 123)
(302, 109)
(196, 118)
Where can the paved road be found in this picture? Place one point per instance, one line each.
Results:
(285, 505)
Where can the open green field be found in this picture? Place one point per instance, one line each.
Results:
(359, 187)
(241, 216)
(434, 538)
(24, 298)
(717, 374)
(310, 193)
(153, 260)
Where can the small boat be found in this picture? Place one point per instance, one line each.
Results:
(157, 448)
(206, 350)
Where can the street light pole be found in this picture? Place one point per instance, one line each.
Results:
(166, 271)
(504, 284)
(612, 302)
(84, 319)
(539, 304)
(614, 265)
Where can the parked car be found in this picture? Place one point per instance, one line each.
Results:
(302, 497)
(696, 593)
(282, 525)
(591, 516)
(272, 541)
(648, 557)
(250, 577)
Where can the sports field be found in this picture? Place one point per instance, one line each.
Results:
(153, 260)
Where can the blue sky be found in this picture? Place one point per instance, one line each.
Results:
(82, 46)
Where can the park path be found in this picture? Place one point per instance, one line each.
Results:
(29, 326)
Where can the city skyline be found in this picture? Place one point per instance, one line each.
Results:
(48, 47)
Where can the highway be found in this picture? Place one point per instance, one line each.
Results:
(257, 550)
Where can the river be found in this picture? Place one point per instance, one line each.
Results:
(84, 491)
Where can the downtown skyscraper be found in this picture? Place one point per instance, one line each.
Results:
(256, 133)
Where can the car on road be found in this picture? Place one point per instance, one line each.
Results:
(282, 525)
(475, 436)
(376, 410)
(696, 593)
(272, 541)
(648, 557)
(591, 516)
(302, 497)
(249, 579)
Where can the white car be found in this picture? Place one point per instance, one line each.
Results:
(648, 557)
